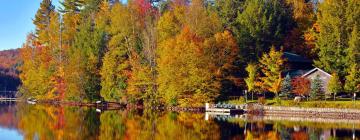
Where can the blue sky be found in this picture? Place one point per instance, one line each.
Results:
(16, 21)
(10, 134)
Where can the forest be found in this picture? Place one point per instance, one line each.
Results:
(9, 75)
(184, 52)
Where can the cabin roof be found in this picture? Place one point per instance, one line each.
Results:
(316, 69)
(291, 57)
(296, 72)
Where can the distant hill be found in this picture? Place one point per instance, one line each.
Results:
(9, 61)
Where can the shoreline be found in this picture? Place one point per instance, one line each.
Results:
(259, 110)
(326, 113)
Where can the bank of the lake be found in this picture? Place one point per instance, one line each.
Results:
(342, 104)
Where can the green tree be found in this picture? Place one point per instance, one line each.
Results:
(252, 79)
(71, 19)
(286, 87)
(316, 88)
(228, 11)
(42, 20)
(336, 19)
(271, 65)
(86, 57)
(352, 83)
(334, 85)
(262, 23)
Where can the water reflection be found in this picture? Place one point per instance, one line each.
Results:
(60, 122)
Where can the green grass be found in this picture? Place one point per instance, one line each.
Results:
(317, 104)
(339, 103)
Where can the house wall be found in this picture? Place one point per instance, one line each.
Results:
(323, 76)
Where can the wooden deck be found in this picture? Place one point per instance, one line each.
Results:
(211, 108)
(8, 99)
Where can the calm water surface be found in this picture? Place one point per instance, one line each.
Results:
(23, 121)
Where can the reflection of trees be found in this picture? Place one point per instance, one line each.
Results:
(7, 115)
(112, 126)
(50, 122)
(258, 131)
(173, 126)
(58, 122)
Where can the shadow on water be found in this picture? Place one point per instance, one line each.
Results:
(64, 122)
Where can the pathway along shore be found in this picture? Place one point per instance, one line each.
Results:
(333, 113)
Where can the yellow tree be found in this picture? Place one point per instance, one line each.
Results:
(115, 70)
(201, 21)
(102, 19)
(252, 81)
(272, 65)
(190, 68)
(184, 74)
(334, 85)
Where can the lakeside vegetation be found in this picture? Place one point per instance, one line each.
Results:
(339, 103)
(186, 53)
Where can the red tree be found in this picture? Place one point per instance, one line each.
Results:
(301, 86)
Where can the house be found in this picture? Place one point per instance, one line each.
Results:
(296, 65)
(324, 76)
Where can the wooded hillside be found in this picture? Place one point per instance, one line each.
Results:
(9, 62)
(181, 52)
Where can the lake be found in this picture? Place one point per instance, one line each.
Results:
(45, 122)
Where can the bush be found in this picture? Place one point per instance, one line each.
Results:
(240, 100)
(278, 100)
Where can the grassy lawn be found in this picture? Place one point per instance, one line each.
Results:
(339, 103)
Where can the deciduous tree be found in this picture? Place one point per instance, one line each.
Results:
(301, 86)
(272, 65)
(116, 69)
(334, 84)
(252, 81)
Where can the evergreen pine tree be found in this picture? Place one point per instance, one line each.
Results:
(286, 87)
(316, 88)
(71, 19)
(262, 23)
(42, 21)
(337, 39)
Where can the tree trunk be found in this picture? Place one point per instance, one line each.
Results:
(252, 96)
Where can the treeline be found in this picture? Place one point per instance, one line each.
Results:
(179, 52)
(9, 62)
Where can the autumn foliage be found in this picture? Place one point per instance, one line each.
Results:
(179, 52)
(301, 86)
